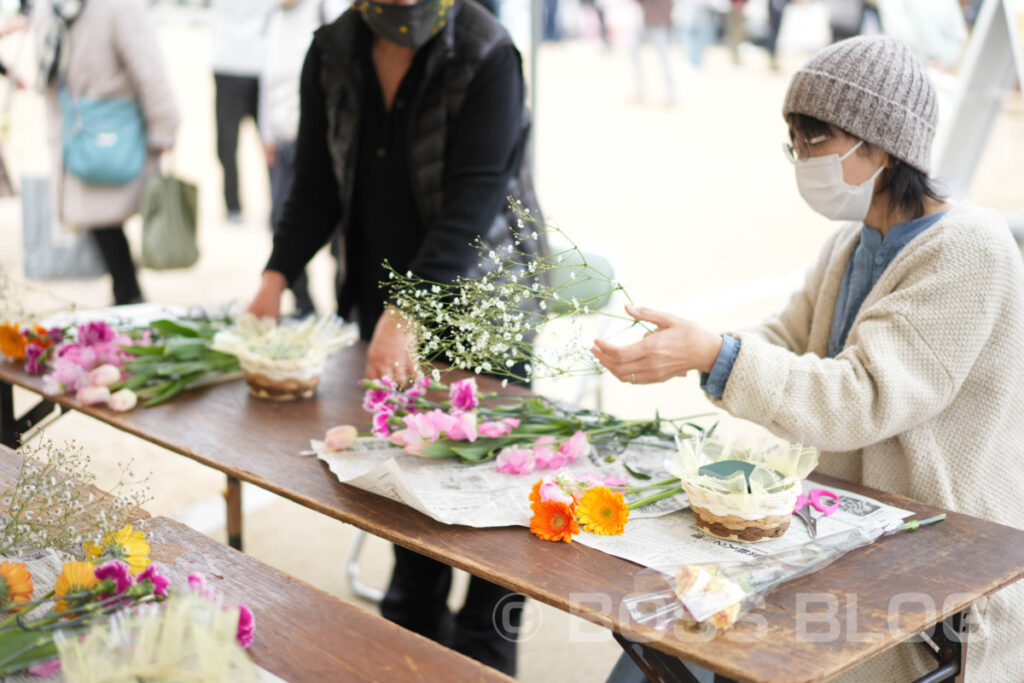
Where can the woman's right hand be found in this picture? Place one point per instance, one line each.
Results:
(267, 303)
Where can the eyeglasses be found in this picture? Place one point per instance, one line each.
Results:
(802, 147)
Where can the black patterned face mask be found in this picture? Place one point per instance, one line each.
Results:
(407, 25)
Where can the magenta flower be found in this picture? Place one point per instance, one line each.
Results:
(159, 581)
(56, 335)
(246, 625)
(464, 427)
(381, 421)
(463, 394)
(198, 585)
(514, 460)
(95, 333)
(418, 388)
(33, 354)
(118, 572)
(376, 399)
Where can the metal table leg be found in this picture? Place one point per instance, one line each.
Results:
(233, 498)
(950, 650)
(658, 666)
(13, 428)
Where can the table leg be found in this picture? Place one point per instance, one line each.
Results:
(950, 651)
(233, 498)
(660, 667)
(12, 428)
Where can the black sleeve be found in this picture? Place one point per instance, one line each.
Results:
(481, 156)
(312, 210)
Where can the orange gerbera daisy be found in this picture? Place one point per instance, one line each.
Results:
(76, 577)
(535, 492)
(554, 521)
(41, 337)
(15, 584)
(603, 511)
(12, 341)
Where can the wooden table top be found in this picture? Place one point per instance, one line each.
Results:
(302, 633)
(258, 442)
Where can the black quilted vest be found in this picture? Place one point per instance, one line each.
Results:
(453, 60)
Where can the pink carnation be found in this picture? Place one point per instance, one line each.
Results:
(118, 572)
(375, 399)
(514, 460)
(381, 420)
(159, 581)
(246, 625)
(418, 388)
(463, 394)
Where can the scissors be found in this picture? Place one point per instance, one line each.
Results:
(812, 498)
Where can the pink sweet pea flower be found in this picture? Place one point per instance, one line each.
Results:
(340, 438)
(463, 395)
(464, 427)
(544, 452)
(611, 481)
(159, 581)
(575, 446)
(246, 625)
(494, 430)
(550, 490)
(44, 669)
(92, 395)
(514, 460)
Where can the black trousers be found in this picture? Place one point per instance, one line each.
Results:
(485, 628)
(117, 256)
(236, 98)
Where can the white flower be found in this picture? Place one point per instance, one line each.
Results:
(122, 401)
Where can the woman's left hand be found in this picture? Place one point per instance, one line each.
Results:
(673, 349)
(390, 349)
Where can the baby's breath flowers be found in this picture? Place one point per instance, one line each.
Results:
(486, 324)
(53, 502)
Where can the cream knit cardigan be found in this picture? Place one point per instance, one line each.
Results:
(926, 400)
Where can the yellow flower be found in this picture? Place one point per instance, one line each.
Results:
(12, 341)
(15, 584)
(603, 511)
(74, 578)
(126, 545)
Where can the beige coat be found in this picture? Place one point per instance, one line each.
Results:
(925, 400)
(113, 52)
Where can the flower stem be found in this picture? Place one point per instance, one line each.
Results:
(668, 493)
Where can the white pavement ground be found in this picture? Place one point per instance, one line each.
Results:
(695, 204)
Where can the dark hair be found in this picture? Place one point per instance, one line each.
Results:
(907, 187)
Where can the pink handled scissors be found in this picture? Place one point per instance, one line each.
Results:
(812, 499)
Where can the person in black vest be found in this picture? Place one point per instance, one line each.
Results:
(411, 135)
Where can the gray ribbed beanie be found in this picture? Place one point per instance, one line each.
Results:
(874, 88)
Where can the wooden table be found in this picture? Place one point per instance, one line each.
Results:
(302, 633)
(257, 441)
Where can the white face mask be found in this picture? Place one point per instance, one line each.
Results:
(821, 184)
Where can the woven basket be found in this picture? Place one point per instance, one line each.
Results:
(734, 516)
(282, 380)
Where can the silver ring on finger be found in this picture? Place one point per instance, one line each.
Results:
(633, 376)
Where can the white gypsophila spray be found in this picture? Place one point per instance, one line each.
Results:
(54, 503)
(486, 324)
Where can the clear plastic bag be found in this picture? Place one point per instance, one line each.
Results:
(717, 593)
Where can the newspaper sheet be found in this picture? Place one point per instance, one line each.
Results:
(477, 495)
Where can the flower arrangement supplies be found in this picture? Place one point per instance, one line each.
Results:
(716, 594)
(742, 493)
(283, 362)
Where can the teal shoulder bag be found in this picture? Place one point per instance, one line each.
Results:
(104, 138)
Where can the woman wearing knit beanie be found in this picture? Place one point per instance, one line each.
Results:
(900, 358)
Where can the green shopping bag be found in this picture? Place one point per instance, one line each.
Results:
(169, 213)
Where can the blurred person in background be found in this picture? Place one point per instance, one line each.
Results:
(290, 30)
(103, 49)
(597, 7)
(656, 31)
(901, 352)
(776, 9)
(412, 133)
(735, 28)
(699, 29)
(845, 18)
(238, 37)
(934, 30)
